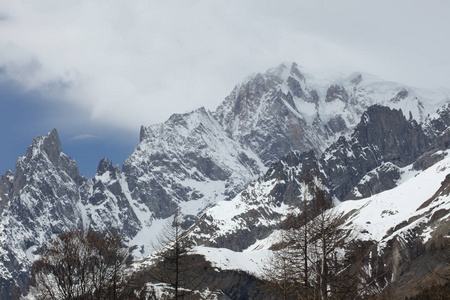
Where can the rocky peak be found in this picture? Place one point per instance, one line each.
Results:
(52, 146)
(245, 95)
(49, 144)
(187, 148)
(44, 158)
(190, 119)
(42, 201)
(107, 166)
(247, 114)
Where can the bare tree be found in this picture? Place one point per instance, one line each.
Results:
(326, 240)
(82, 265)
(312, 243)
(282, 275)
(177, 266)
(436, 284)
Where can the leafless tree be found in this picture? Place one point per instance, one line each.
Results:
(177, 266)
(82, 265)
(311, 246)
(282, 275)
(436, 284)
(327, 238)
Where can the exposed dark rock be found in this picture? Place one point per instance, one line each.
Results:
(357, 80)
(400, 96)
(381, 179)
(295, 87)
(336, 92)
(337, 124)
(442, 142)
(400, 141)
(238, 285)
(313, 97)
(383, 135)
(106, 166)
(428, 159)
(6, 189)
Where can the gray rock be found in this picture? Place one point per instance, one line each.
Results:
(380, 179)
(336, 92)
(383, 135)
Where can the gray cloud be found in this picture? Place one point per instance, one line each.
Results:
(131, 63)
(3, 17)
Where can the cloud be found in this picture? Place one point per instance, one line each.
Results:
(3, 17)
(127, 64)
(83, 136)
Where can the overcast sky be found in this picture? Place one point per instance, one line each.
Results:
(97, 70)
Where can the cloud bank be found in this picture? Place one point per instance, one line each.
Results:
(128, 63)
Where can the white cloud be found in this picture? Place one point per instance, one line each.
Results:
(83, 136)
(128, 63)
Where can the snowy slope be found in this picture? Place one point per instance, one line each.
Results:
(376, 217)
(414, 208)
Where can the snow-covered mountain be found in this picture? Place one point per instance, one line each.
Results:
(399, 228)
(366, 163)
(401, 215)
(223, 168)
(40, 200)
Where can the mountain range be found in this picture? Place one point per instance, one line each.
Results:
(379, 149)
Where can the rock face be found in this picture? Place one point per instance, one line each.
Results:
(376, 181)
(107, 204)
(188, 159)
(383, 135)
(436, 124)
(400, 141)
(336, 92)
(231, 155)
